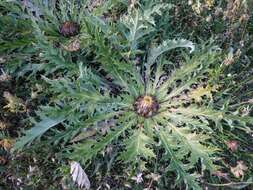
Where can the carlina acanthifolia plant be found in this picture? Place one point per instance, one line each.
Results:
(172, 113)
(51, 30)
(150, 113)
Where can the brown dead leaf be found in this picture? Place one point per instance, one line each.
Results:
(239, 170)
(3, 125)
(14, 104)
(72, 46)
(232, 145)
(6, 144)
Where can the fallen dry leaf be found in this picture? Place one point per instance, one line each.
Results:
(221, 174)
(78, 175)
(3, 125)
(6, 144)
(239, 169)
(14, 104)
(138, 179)
(232, 145)
(72, 46)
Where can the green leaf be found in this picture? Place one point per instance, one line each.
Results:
(137, 146)
(137, 29)
(197, 94)
(88, 149)
(149, 13)
(217, 116)
(191, 70)
(38, 130)
(181, 169)
(190, 142)
(166, 46)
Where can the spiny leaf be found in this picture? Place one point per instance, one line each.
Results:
(168, 45)
(216, 116)
(89, 148)
(191, 70)
(137, 28)
(137, 146)
(156, 9)
(197, 94)
(190, 142)
(38, 130)
(176, 165)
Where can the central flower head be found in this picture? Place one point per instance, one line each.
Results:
(146, 106)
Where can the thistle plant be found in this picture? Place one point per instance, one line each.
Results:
(149, 113)
(43, 32)
(158, 109)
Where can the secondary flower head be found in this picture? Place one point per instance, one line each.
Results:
(69, 29)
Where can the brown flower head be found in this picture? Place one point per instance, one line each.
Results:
(69, 29)
(146, 106)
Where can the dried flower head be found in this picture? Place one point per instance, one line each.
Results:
(14, 104)
(4, 76)
(36, 90)
(6, 144)
(197, 8)
(244, 18)
(245, 111)
(69, 29)
(72, 46)
(250, 101)
(154, 176)
(232, 57)
(190, 2)
(209, 3)
(94, 4)
(146, 106)
(3, 125)
(218, 11)
(209, 18)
